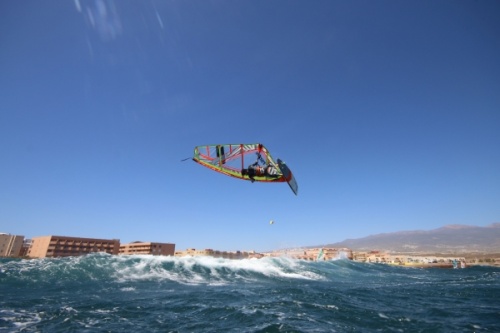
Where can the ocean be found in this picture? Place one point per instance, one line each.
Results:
(104, 293)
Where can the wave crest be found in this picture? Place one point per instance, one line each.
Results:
(186, 270)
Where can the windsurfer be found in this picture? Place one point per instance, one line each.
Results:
(257, 170)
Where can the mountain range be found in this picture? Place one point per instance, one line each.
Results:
(448, 239)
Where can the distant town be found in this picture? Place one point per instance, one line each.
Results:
(17, 246)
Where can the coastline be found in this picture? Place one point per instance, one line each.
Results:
(429, 260)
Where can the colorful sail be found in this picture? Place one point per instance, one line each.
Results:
(235, 159)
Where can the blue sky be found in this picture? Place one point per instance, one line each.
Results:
(387, 112)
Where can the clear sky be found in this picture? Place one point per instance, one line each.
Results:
(387, 112)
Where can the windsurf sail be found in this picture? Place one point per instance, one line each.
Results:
(287, 174)
(234, 160)
(320, 255)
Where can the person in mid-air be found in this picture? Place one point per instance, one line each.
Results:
(255, 169)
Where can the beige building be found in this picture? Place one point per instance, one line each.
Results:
(10, 245)
(315, 254)
(157, 249)
(63, 246)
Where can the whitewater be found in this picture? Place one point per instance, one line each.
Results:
(104, 293)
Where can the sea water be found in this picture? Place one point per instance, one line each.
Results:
(104, 293)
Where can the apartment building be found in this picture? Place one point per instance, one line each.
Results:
(25, 248)
(64, 246)
(157, 249)
(10, 245)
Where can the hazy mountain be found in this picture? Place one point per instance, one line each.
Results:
(450, 238)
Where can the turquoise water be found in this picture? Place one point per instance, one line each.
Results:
(103, 293)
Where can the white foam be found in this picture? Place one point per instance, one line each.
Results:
(103, 311)
(214, 271)
(21, 319)
(69, 309)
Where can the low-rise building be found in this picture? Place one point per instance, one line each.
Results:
(412, 260)
(314, 254)
(64, 246)
(10, 245)
(158, 249)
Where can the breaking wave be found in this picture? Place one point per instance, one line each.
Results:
(187, 270)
